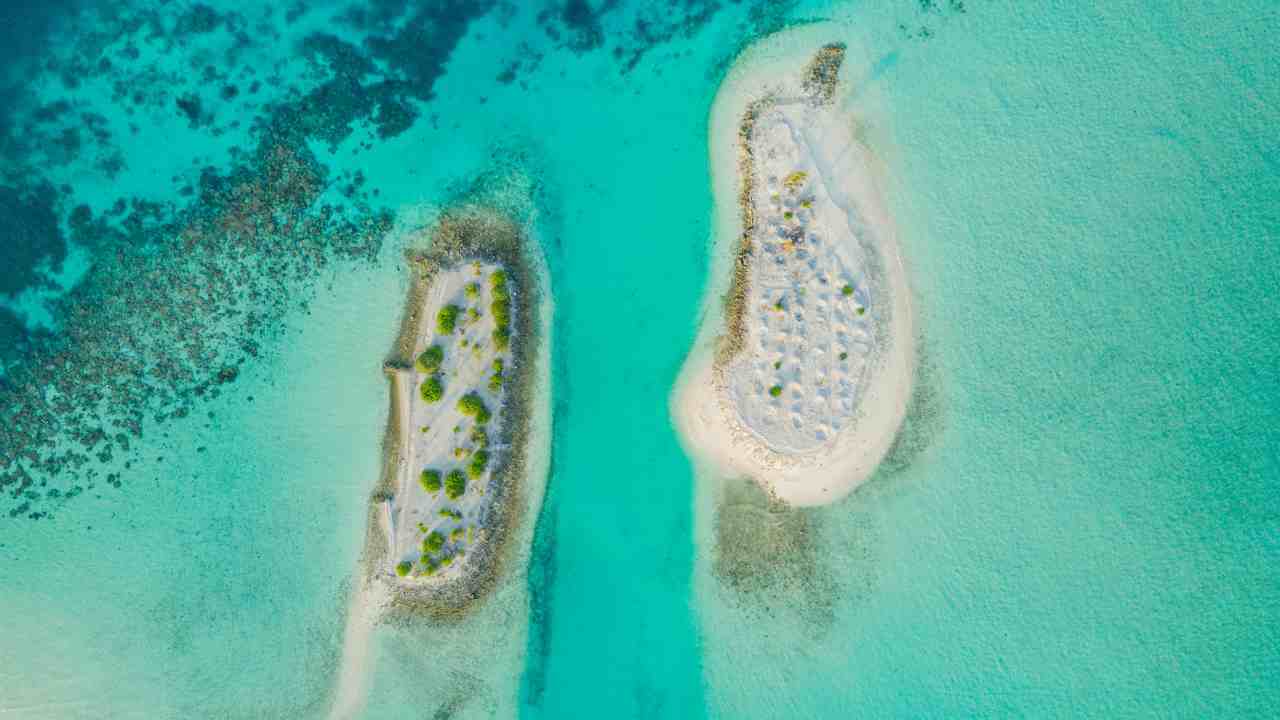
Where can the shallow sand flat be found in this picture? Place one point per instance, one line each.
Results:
(806, 386)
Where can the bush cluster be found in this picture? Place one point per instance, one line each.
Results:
(431, 359)
(501, 309)
(479, 461)
(447, 319)
(430, 480)
(455, 484)
(495, 380)
(432, 543)
(403, 568)
(450, 513)
(471, 404)
(776, 390)
(432, 389)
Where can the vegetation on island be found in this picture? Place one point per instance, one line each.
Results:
(432, 389)
(479, 461)
(776, 390)
(432, 543)
(473, 405)
(501, 309)
(455, 484)
(403, 568)
(479, 437)
(447, 319)
(495, 380)
(431, 359)
(795, 180)
(472, 291)
(847, 290)
(430, 480)
(450, 513)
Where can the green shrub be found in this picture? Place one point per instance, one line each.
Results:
(450, 513)
(455, 484)
(471, 404)
(447, 319)
(776, 390)
(501, 338)
(501, 293)
(430, 480)
(501, 310)
(478, 463)
(432, 389)
(483, 416)
(403, 568)
(862, 310)
(499, 365)
(479, 437)
(495, 382)
(844, 356)
(433, 542)
(473, 314)
(431, 359)
(472, 290)
(457, 535)
(847, 290)
(498, 278)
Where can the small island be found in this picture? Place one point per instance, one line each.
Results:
(803, 369)
(461, 383)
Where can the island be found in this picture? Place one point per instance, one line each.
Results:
(802, 371)
(467, 447)
(463, 375)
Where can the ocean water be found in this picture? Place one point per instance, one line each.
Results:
(1081, 519)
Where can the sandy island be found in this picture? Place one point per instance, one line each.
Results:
(801, 376)
(466, 452)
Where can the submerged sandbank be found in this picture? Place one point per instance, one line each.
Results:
(802, 370)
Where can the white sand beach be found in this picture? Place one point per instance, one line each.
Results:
(807, 394)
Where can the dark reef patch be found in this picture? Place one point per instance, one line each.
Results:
(29, 237)
(174, 306)
(766, 555)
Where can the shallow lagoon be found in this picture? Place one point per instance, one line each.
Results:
(1084, 524)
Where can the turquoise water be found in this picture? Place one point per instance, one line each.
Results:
(1086, 524)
